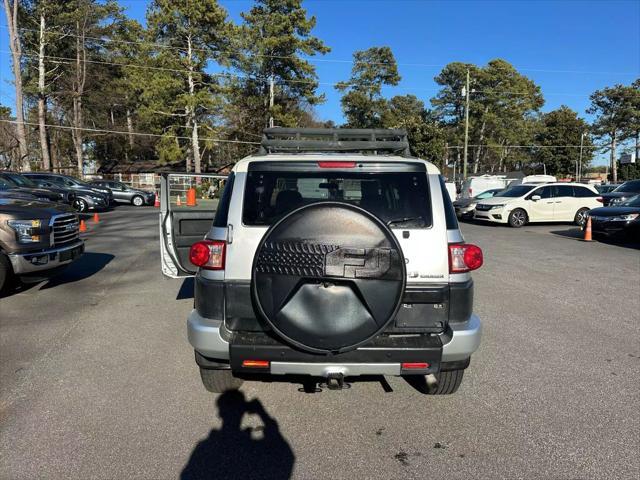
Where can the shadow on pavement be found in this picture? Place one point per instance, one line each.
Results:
(87, 265)
(578, 234)
(231, 453)
(186, 289)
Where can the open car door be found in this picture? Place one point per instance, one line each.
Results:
(188, 202)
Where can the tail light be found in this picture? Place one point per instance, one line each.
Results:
(255, 363)
(600, 199)
(471, 192)
(464, 257)
(208, 254)
(326, 164)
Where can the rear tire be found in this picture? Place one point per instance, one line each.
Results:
(581, 217)
(448, 382)
(219, 381)
(518, 218)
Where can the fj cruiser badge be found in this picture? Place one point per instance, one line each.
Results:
(357, 262)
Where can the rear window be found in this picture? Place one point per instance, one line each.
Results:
(632, 186)
(583, 192)
(222, 212)
(400, 199)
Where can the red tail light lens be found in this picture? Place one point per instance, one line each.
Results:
(415, 366)
(337, 164)
(255, 363)
(464, 257)
(600, 199)
(208, 254)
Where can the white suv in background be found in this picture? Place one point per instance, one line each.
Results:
(551, 202)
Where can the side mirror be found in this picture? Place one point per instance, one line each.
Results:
(535, 198)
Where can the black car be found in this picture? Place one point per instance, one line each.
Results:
(620, 220)
(125, 194)
(622, 193)
(465, 206)
(607, 187)
(17, 183)
(85, 196)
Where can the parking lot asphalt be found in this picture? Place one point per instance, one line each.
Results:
(97, 379)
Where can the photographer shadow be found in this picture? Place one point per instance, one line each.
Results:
(232, 452)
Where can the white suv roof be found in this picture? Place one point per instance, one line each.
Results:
(242, 165)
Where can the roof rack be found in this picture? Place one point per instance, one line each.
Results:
(374, 141)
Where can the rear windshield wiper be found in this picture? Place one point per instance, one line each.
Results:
(403, 219)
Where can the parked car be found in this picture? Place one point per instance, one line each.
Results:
(123, 193)
(473, 186)
(17, 183)
(622, 193)
(607, 187)
(37, 239)
(622, 220)
(465, 206)
(526, 203)
(15, 194)
(327, 264)
(85, 197)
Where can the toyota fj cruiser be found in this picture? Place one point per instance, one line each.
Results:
(333, 254)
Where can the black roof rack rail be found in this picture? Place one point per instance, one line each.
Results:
(375, 141)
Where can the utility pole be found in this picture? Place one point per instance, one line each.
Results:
(270, 102)
(466, 128)
(580, 159)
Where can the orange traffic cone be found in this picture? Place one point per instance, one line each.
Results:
(157, 202)
(191, 197)
(83, 226)
(96, 218)
(178, 202)
(587, 231)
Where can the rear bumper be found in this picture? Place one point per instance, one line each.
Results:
(211, 339)
(24, 263)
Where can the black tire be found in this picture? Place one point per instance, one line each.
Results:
(6, 272)
(219, 381)
(448, 382)
(518, 218)
(80, 205)
(137, 201)
(581, 217)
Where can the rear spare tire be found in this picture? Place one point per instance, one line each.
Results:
(328, 277)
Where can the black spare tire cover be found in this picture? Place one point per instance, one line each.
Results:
(328, 277)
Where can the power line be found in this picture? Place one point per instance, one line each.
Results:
(457, 147)
(120, 132)
(281, 82)
(323, 60)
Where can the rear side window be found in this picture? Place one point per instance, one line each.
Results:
(222, 213)
(583, 192)
(449, 211)
(398, 197)
(564, 191)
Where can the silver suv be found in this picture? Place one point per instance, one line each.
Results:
(333, 254)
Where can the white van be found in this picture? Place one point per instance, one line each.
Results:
(473, 186)
(530, 202)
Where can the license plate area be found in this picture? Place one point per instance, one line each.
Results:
(70, 254)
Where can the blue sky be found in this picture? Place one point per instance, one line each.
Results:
(569, 48)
